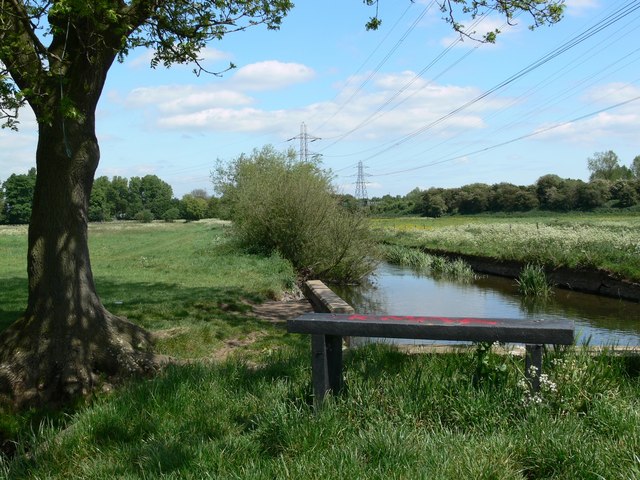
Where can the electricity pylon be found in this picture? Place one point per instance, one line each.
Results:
(305, 140)
(361, 184)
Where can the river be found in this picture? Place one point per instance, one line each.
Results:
(400, 291)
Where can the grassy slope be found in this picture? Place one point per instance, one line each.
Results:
(403, 416)
(606, 242)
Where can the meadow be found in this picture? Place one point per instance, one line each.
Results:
(588, 241)
(251, 414)
(163, 276)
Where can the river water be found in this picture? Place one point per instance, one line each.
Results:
(400, 291)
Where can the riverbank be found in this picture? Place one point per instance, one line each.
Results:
(592, 254)
(581, 280)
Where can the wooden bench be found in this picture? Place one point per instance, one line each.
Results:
(328, 329)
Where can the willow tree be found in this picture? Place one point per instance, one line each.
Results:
(55, 56)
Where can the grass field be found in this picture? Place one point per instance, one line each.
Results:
(606, 242)
(251, 416)
(163, 275)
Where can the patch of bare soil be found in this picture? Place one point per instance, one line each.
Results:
(168, 333)
(281, 311)
(276, 311)
(233, 344)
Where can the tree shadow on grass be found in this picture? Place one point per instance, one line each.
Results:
(153, 305)
(156, 306)
(160, 305)
(13, 300)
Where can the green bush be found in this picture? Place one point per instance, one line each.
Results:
(144, 216)
(171, 215)
(282, 205)
(193, 208)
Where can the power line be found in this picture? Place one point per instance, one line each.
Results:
(546, 105)
(379, 111)
(366, 61)
(513, 140)
(593, 30)
(382, 62)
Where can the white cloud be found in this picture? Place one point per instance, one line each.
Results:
(228, 120)
(271, 75)
(612, 93)
(420, 104)
(611, 127)
(186, 98)
(580, 7)
(222, 105)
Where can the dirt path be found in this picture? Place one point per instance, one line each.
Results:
(277, 312)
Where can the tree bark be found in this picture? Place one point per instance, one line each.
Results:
(66, 339)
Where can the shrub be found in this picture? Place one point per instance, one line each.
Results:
(193, 208)
(144, 216)
(281, 205)
(171, 215)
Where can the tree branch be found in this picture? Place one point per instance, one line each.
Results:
(29, 28)
(138, 12)
(21, 53)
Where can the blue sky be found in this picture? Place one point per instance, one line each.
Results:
(418, 107)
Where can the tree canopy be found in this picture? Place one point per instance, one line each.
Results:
(17, 196)
(100, 31)
(606, 166)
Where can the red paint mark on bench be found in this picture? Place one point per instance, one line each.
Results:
(427, 320)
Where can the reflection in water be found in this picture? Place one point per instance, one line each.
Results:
(397, 290)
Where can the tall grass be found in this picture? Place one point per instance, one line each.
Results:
(425, 263)
(532, 282)
(610, 243)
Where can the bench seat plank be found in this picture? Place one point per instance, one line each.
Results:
(529, 331)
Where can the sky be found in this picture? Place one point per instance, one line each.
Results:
(411, 101)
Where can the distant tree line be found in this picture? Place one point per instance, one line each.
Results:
(610, 185)
(138, 198)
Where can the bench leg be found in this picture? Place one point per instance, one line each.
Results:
(334, 362)
(533, 366)
(319, 371)
(326, 365)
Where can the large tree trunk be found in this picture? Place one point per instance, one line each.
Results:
(66, 338)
